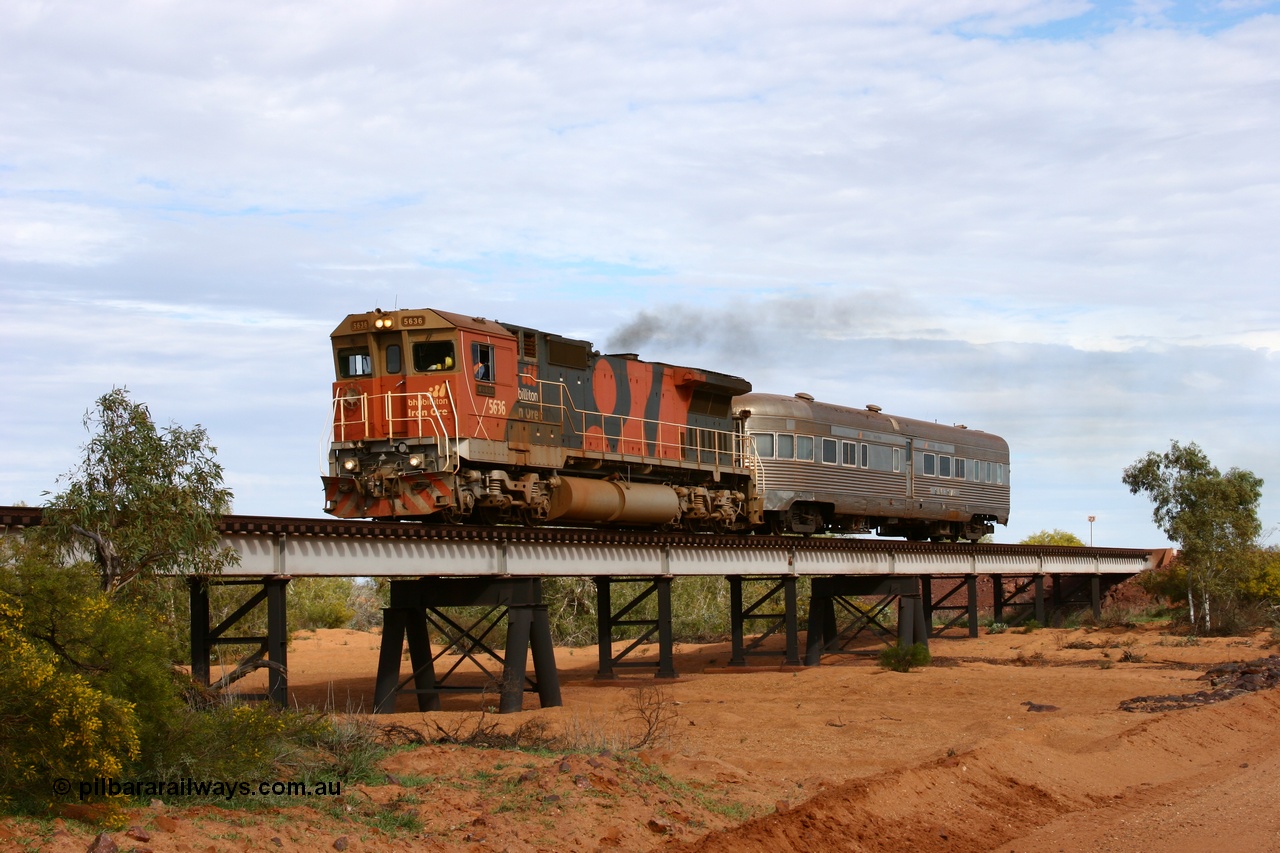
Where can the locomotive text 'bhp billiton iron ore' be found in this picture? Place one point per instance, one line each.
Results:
(443, 418)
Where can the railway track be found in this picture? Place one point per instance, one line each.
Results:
(249, 525)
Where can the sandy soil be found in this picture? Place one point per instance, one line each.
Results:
(844, 756)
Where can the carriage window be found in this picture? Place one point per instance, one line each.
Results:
(764, 444)
(930, 466)
(944, 466)
(804, 447)
(897, 460)
(1000, 473)
(393, 359)
(850, 450)
(830, 451)
(786, 446)
(986, 474)
(975, 470)
(959, 467)
(354, 363)
(430, 356)
(865, 458)
(482, 362)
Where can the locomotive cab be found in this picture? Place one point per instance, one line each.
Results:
(412, 390)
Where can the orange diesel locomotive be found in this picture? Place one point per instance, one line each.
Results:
(442, 417)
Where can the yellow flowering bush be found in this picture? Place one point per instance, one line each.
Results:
(55, 724)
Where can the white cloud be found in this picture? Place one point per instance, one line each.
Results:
(34, 232)
(194, 195)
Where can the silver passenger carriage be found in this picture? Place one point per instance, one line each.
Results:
(826, 467)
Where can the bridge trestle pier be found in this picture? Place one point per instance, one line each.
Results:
(272, 649)
(825, 634)
(608, 621)
(787, 621)
(417, 606)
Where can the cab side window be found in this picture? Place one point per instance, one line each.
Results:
(393, 359)
(482, 362)
(354, 363)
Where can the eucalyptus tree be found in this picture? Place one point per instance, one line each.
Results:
(143, 500)
(1213, 518)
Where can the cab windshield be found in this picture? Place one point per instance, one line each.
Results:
(433, 356)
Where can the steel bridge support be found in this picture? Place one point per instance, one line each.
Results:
(607, 621)
(787, 620)
(1023, 610)
(272, 651)
(415, 608)
(825, 636)
(967, 612)
(1073, 593)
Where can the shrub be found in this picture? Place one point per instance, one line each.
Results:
(56, 724)
(905, 658)
(320, 603)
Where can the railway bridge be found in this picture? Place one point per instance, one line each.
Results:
(852, 584)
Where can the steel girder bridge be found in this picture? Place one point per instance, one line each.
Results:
(498, 572)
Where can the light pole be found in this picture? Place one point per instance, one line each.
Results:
(1092, 519)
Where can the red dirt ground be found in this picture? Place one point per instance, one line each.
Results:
(844, 756)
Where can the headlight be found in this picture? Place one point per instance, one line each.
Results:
(351, 464)
(415, 461)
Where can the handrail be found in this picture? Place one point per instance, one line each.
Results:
(734, 450)
(739, 448)
(339, 404)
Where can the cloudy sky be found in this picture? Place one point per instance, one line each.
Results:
(1055, 220)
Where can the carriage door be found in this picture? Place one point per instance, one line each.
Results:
(910, 464)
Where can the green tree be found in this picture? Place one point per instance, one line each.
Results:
(144, 501)
(1053, 537)
(1213, 517)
